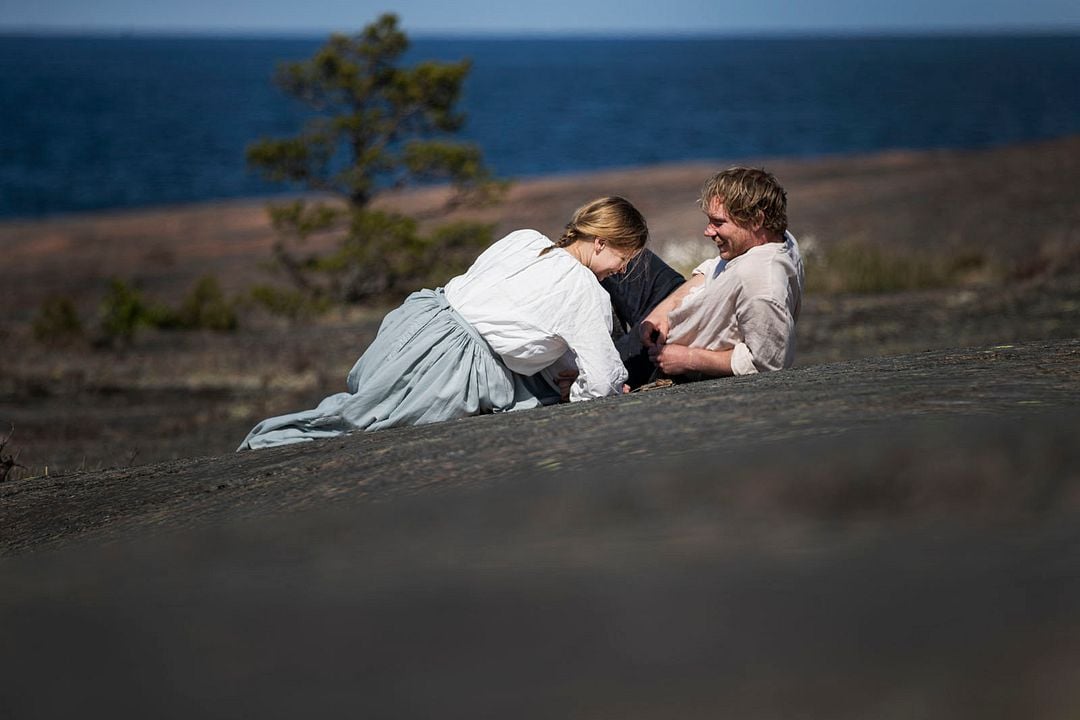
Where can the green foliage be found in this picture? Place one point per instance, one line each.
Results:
(124, 310)
(376, 255)
(461, 164)
(287, 303)
(377, 125)
(207, 308)
(57, 322)
(380, 256)
(303, 218)
(387, 122)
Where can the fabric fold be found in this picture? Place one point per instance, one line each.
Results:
(427, 364)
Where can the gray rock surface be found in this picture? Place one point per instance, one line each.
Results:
(890, 537)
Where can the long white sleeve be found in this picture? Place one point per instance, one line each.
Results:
(533, 309)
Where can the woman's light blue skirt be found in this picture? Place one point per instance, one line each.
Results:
(426, 364)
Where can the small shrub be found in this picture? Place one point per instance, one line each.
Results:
(207, 308)
(8, 462)
(123, 311)
(386, 256)
(288, 303)
(57, 322)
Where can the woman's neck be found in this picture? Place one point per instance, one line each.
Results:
(579, 249)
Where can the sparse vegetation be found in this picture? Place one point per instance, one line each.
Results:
(207, 308)
(8, 462)
(861, 268)
(124, 310)
(57, 322)
(378, 126)
(287, 302)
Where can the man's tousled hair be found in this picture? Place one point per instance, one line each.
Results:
(749, 195)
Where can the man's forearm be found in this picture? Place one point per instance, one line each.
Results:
(677, 359)
(715, 363)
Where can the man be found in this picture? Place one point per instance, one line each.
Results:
(737, 313)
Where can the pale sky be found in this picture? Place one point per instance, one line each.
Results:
(542, 16)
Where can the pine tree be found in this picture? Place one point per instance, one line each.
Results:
(377, 125)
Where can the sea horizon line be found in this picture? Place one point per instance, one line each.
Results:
(553, 34)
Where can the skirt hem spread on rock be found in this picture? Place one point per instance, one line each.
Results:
(427, 364)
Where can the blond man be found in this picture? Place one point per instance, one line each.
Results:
(737, 313)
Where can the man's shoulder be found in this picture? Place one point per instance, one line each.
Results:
(768, 270)
(709, 268)
(782, 254)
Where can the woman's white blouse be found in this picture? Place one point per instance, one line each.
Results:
(541, 313)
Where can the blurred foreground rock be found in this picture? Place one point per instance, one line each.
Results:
(890, 537)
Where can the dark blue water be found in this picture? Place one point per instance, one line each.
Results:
(103, 122)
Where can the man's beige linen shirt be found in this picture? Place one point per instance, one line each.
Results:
(748, 305)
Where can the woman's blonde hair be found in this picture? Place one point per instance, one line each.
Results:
(611, 218)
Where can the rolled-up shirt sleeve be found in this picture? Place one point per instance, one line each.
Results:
(768, 331)
(600, 370)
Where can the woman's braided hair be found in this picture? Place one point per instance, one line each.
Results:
(612, 218)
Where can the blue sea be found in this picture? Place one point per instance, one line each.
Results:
(114, 122)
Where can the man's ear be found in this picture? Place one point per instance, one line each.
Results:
(759, 221)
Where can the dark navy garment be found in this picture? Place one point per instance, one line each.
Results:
(634, 294)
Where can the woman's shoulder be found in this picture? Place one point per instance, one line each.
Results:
(525, 238)
(577, 291)
(556, 276)
(507, 252)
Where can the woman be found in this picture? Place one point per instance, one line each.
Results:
(526, 324)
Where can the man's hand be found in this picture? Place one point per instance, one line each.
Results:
(672, 359)
(565, 381)
(679, 359)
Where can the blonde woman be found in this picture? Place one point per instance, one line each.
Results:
(528, 324)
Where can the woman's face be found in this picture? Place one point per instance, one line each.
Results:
(607, 261)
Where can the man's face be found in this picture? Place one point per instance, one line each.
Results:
(731, 240)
